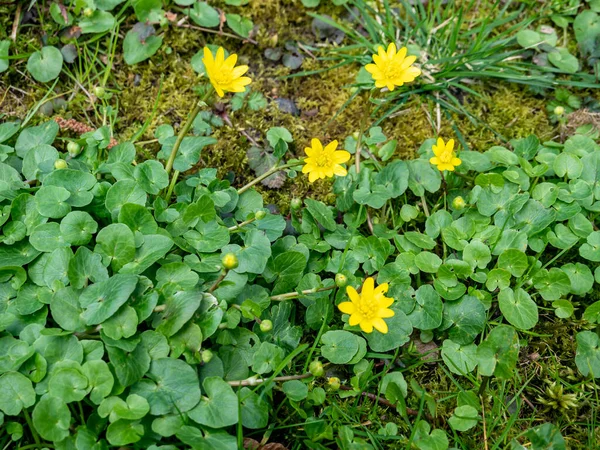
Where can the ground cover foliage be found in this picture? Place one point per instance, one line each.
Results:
(446, 301)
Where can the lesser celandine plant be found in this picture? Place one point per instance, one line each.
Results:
(130, 318)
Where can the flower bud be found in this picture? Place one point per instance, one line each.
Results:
(266, 326)
(87, 12)
(296, 203)
(60, 164)
(341, 280)
(206, 356)
(559, 110)
(258, 215)
(99, 91)
(334, 383)
(73, 148)
(316, 368)
(458, 203)
(230, 261)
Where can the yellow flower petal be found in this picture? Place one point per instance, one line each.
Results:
(456, 161)
(239, 71)
(391, 50)
(386, 302)
(380, 325)
(313, 176)
(366, 326)
(382, 289)
(435, 161)
(220, 59)
(316, 145)
(408, 61)
(355, 319)
(347, 307)
(330, 148)
(230, 61)
(339, 171)
(352, 294)
(368, 288)
(386, 312)
(340, 156)
(372, 68)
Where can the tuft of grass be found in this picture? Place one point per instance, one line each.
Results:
(458, 44)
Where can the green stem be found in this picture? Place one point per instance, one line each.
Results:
(216, 283)
(256, 381)
(172, 185)
(182, 133)
(25, 447)
(36, 438)
(241, 225)
(425, 208)
(363, 124)
(268, 173)
(289, 295)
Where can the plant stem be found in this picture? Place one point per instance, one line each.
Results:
(172, 185)
(256, 381)
(216, 284)
(268, 173)
(289, 295)
(25, 447)
(184, 130)
(363, 124)
(36, 438)
(425, 207)
(241, 224)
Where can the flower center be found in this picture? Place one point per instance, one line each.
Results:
(392, 71)
(367, 309)
(445, 157)
(322, 160)
(222, 78)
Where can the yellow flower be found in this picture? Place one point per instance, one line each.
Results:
(445, 158)
(324, 162)
(392, 68)
(222, 74)
(369, 308)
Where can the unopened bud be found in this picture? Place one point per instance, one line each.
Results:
(230, 261)
(258, 215)
(559, 110)
(73, 148)
(60, 164)
(99, 91)
(206, 356)
(334, 383)
(341, 280)
(296, 203)
(266, 326)
(316, 368)
(458, 203)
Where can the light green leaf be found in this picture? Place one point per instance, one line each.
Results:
(464, 418)
(102, 300)
(518, 308)
(16, 393)
(52, 418)
(45, 64)
(220, 408)
(587, 356)
(460, 359)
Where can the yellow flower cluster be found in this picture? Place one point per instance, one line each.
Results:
(391, 69)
